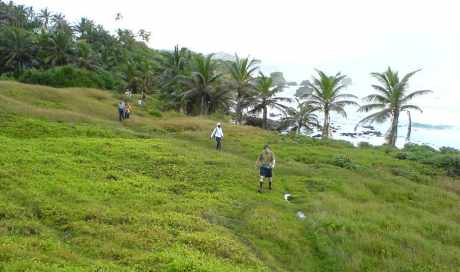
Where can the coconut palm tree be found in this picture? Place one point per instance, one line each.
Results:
(220, 99)
(201, 82)
(326, 96)
(241, 71)
(301, 117)
(175, 66)
(392, 98)
(16, 49)
(265, 98)
(45, 18)
(59, 48)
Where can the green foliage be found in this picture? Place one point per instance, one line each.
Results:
(343, 162)
(327, 96)
(446, 158)
(392, 97)
(69, 76)
(38, 47)
(80, 191)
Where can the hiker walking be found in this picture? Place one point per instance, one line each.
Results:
(218, 134)
(266, 163)
(121, 110)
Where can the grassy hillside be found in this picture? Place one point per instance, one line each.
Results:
(81, 192)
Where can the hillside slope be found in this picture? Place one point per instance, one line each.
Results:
(81, 192)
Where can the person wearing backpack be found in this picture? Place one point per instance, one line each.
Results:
(218, 134)
(266, 162)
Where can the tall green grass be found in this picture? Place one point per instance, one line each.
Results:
(82, 192)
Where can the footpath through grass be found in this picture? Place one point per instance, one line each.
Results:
(81, 192)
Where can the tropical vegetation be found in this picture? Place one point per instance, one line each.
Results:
(266, 97)
(302, 117)
(392, 99)
(42, 47)
(326, 95)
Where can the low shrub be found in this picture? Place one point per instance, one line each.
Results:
(70, 76)
(446, 158)
(343, 162)
(449, 150)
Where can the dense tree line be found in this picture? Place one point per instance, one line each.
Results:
(42, 47)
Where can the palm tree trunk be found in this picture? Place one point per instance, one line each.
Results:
(394, 129)
(325, 134)
(239, 115)
(202, 105)
(239, 106)
(264, 117)
(409, 127)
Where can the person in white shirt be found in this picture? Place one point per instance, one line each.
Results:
(218, 134)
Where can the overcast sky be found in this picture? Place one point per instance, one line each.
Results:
(355, 37)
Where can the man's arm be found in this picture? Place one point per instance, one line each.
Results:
(274, 161)
(213, 132)
(258, 161)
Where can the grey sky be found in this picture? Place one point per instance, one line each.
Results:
(355, 37)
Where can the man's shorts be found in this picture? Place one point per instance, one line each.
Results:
(265, 172)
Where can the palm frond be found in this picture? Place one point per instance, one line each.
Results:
(378, 117)
(410, 96)
(376, 98)
(370, 107)
(411, 107)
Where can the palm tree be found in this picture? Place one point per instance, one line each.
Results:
(392, 98)
(302, 117)
(59, 48)
(201, 82)
(85, 56)
(16, 48)
(326, 96)
(175, 66)
(241, 71)
(45, 18)
(221, 98)
(84, 28)
(266, 97)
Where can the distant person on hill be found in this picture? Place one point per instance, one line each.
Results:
(121, 110)
(266, 163)
(218, 134)
(128, 110)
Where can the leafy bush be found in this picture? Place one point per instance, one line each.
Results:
(450, 163)
(401, 155)
(155, 113)
(449, 150)
(446, 158)
(343, 162)
(6, 77)
(70, 76)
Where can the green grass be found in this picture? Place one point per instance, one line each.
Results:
(82, 192)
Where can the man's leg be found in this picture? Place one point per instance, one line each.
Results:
(270, 183)
(261, 184)
(219, 143)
